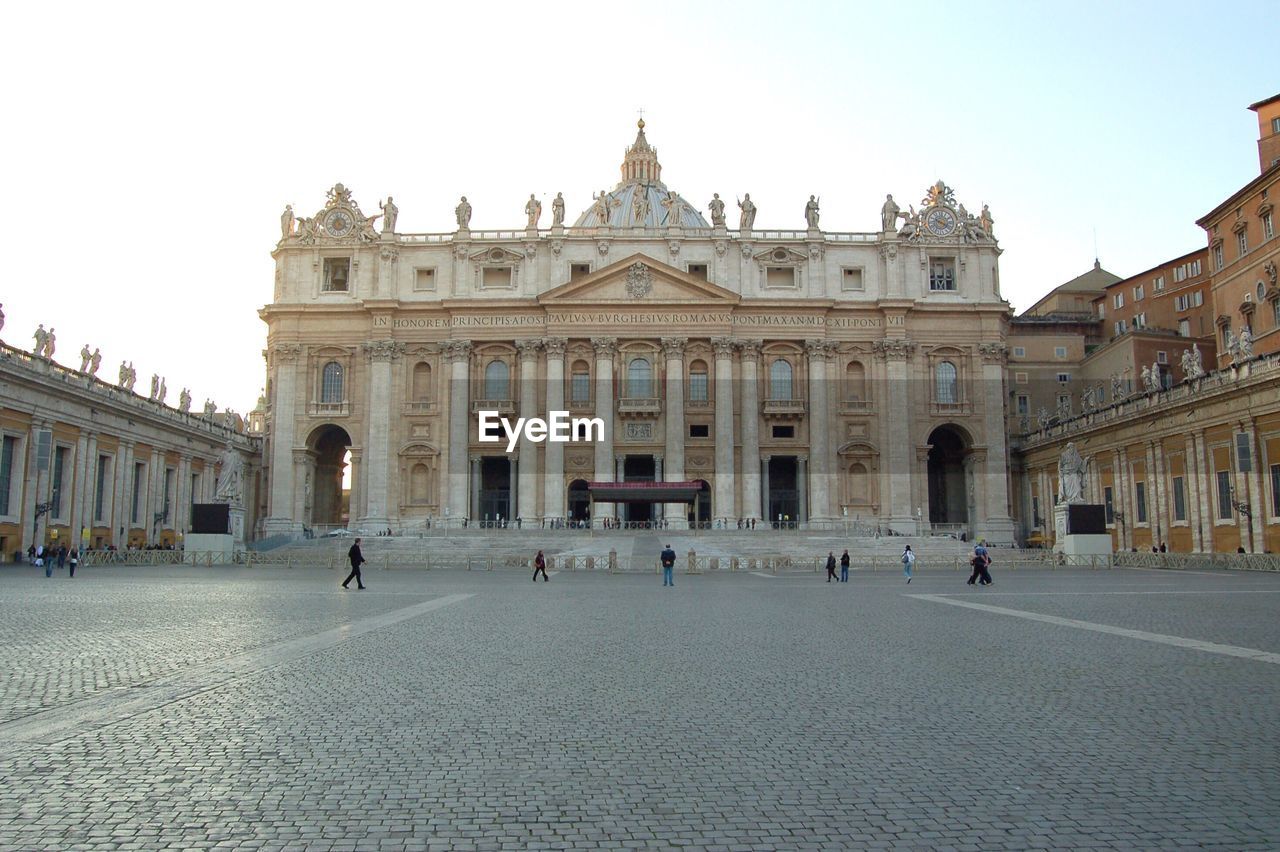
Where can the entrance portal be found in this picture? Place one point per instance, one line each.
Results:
(948, 494)
(495, 490)
(700, 512)
(324, 502)
(784, 495)
(579, 503)
(639, 469)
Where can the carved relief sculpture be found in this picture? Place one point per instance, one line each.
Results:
(639, 280)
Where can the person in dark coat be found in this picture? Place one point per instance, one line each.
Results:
(357, 559)
(831, 566)
(540, 565)
(668, 559)
(844, 567)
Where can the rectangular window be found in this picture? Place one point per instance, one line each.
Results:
(424, 279)
(1140, 320)
(7, 449)
(337, 274)
(139, 479)
(1179, 499)
(1117, 301)
(1226, 332)
(1180, 273)
(1217, 257)
(496, 277)
(1180, 303)
(1036, 520)
(942, 273)
(1109, 506)
(1158, 284)
(1275, 125)
(1195, 267)
(1024, 404)
(1140, 501)
(59, 468)
(1102, 308)
(1064, 400)
(1162, 357)
(1121, 327)
(780, 276)
(699, 430)
(1242, 242)
(1224, 495)
(1184, 328)
(1059, 351)
(1197, 299)
(698, 270)
(1019, 351)
(1275, 490)
(1064, 378)
(100, 487)
(580, 387)
(1275, 312)
(1139, 293)
(1019, 378)
(784, 431)
(851, 279)
(698, 387)
(579, 270)
(1268, 229)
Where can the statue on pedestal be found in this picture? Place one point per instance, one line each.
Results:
(811, 213)
(463, 214)
(155, 385)
(533, 210)
(557, 211)
(210, 408)
(603, 205)
(390, 212)
(50, 341)
(889, 214)
(986, 222)
(85, 355)
(95, 361)
(286, 222)
(717, 211)
(1, 317)
(184, 400)
(673, 204)
(229, 488)
(1042, 418)
(747, 219)
(1244, 344)
(162, 391)
(1117, 387)
(640, 205)
(1071, 475)
(1064, 409)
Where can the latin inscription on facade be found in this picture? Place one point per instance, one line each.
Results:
(592, 318)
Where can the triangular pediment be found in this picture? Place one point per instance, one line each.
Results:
(639, 280)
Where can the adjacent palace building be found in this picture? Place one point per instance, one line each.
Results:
(812, 376)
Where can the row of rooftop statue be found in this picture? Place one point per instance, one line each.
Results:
(1240, 348)
(971, 227)
(90, 362)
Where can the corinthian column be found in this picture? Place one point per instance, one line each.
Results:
(819, 435)
(527, 499)
(725, 510)
(606, 348)
(458, 354)
(283, 361)
(673, 349)
(380, 353)
(553, 497)
(998, 524)
(895, 353)
(750, 425)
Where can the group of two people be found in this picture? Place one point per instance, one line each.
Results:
(980, 562)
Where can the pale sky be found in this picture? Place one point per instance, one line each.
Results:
(151, 147)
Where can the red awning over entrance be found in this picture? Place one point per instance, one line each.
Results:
(644, 492)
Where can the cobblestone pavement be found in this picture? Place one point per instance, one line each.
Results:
(269, 709)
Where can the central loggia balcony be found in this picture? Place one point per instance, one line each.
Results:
(639, 406)
(782, 409)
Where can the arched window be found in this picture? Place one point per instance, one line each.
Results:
(580, 382)
(698, 381)
(419, 484)
(780, 379)
(639, 379)
(945, 374)
(331, 382)
(496, 380)
(859, 491)
(855, 382)
(421, 381)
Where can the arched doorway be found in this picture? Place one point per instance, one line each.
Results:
(948, 488)
(326, 496)
(700, 511)
(579, 503)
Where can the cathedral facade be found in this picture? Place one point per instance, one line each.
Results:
(811, 378)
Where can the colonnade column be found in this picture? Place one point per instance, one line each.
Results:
(750, 424)
(655, 511)
(673, 349)
(725, 511)
(802, 480)
(527, 491)
(81, 477)
(458, 354)
(997, 525)
(121, 505)
(606, 348)
(182, 498)
(819, 352)
(356, 494)
(764, 479)
(381, 353)
(553, 497)
(895, 353)
(1192, 476)
(283, 358)
(1207, 489)
(473, 499)
(1257, 499)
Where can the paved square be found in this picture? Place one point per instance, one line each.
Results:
(266, 708)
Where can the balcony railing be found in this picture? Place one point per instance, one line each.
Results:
(855, 406)
(329, 409)
(502, 406)
(782, 408)
(639, 406)
(697, 405)
(420, 407)
(950, 408)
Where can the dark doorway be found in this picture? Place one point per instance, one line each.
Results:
(579, 503)
(639, 469)
(700, 511)
(784, 494)
(948, 496)
(495, 490)
(325, 502)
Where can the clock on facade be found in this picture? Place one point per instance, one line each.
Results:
(940, 222)
(338, 223)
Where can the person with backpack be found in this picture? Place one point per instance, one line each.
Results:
(844, 566)
(668, 559)
(831, 566)
(908, 562)
(981, 559)
(73, 559)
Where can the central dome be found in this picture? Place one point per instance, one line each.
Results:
(641, 199)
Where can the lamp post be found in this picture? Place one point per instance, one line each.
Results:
(1241, 506)
(42, 509)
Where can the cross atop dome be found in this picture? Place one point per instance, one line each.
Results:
(640, 164)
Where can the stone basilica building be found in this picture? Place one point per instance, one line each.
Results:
(824, 378)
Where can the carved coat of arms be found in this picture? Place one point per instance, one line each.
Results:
(639, 281)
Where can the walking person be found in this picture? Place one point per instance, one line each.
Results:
(540, 564)
(831, 566)
(844, 566)
(357, 559)
(73, 559)
(978, 562)
(668, 559)
(62, 557)
(908, 562)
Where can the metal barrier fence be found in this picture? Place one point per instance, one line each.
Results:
(691, 562)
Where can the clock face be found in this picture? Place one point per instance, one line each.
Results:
(941, 221)
(337, 223)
